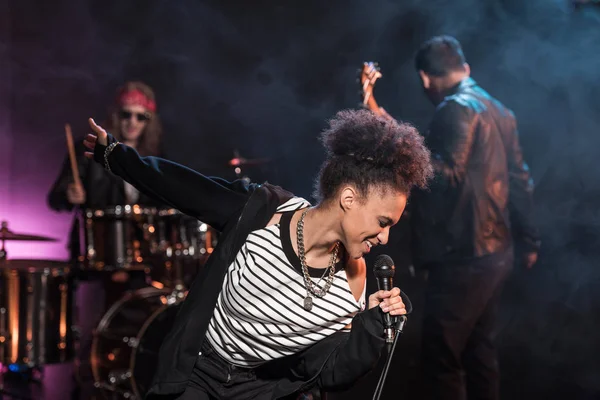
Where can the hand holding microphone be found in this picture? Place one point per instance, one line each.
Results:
(394, 305)
(392, 302)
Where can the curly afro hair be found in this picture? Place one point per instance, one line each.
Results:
(369, 151)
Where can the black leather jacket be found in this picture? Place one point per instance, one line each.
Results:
(481, 197)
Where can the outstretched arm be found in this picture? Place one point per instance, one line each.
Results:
(212, 200)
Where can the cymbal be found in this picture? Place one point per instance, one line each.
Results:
(36, 264)
(6, 234)
(240, 161)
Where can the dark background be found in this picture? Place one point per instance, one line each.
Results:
(263, 76)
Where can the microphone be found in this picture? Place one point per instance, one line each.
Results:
(384, 273)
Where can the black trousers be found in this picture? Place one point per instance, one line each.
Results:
(461, 303)
(215, 378)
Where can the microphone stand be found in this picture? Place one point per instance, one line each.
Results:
(390, 347)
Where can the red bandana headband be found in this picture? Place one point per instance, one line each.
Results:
(136, 97)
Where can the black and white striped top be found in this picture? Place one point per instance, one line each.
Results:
(260, 315)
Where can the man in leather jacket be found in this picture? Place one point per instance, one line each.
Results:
(465, 228)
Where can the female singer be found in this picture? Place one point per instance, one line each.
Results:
(280, 305)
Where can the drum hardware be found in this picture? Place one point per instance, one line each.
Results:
(6, 234)
(118, 376)
(112, 388)
(237, 162)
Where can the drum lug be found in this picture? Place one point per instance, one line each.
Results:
(116, 377)
(76, 330)
(177, 295)
(131, 341)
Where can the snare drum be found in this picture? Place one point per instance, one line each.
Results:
(35, 313)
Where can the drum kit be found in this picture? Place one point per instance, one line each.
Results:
(35, 308)
(37, 322)
(170, 247)
(38, 326)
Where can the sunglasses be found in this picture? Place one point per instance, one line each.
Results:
(141, 117)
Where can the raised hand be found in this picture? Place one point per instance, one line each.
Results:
(99, 136)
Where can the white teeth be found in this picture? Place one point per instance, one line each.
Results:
(369, 244)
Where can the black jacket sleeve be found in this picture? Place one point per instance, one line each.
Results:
(450, 138)
(211, 200)
(356, 354)
(57, 197)
(520, 193)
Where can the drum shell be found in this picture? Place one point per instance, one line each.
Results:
(184, 244)
(133, 237)
(118, 238)
(180, 236)
(36, 314)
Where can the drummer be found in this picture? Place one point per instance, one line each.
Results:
(133, 117)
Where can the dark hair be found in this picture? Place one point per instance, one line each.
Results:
(368, 151)
(440, 55)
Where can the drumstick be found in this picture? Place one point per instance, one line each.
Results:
(71, 147)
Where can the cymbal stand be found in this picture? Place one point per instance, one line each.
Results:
(3, 254)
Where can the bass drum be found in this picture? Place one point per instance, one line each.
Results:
(127, 340)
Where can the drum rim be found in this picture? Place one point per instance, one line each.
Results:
(105, 320)
(43, 263)
(128, 211)
(141, 333)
